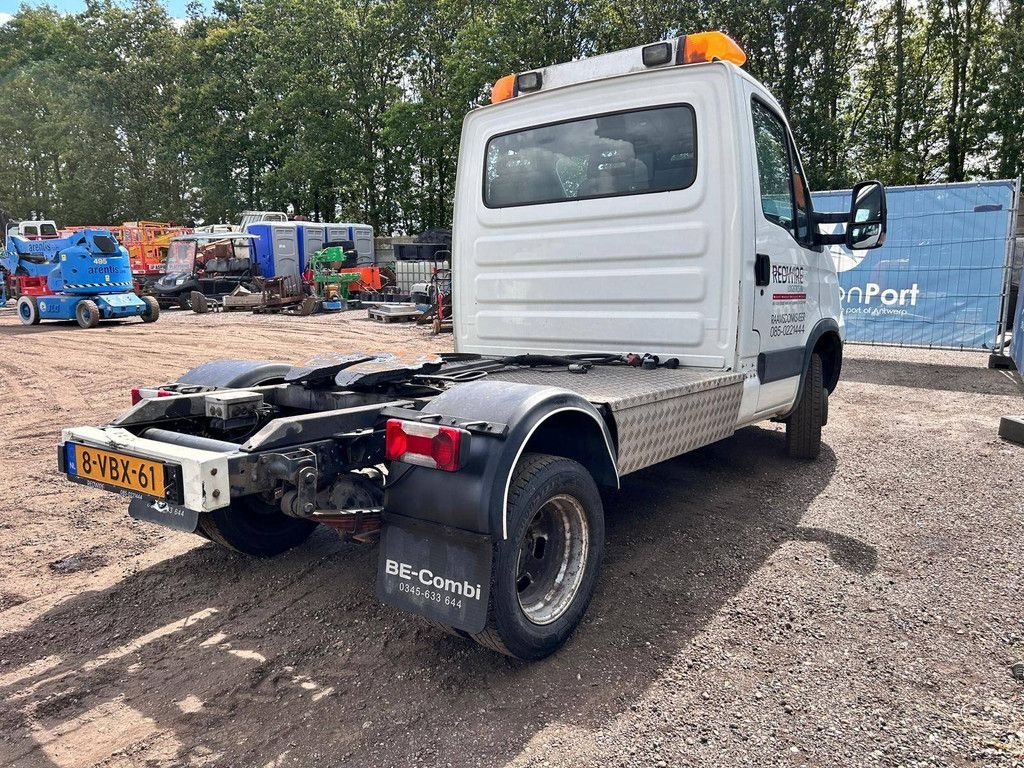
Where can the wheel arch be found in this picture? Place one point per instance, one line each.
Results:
(829, 347)
(825, 340)
(573, 433)
(536, 419)
(235, 373)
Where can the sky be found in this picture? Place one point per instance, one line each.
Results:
(175, 8)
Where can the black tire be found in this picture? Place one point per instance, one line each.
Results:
(545, 492)
(254, 527)
(803, 427)
(152, 313)
(87, 314)
(28, 310)
(198, 302)
(184, 302)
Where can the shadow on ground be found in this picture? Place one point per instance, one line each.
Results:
(45, 326)
(925, 375)
(255, 660)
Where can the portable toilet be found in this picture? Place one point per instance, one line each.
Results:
(360, 234)
(276, 252)
(311, 240)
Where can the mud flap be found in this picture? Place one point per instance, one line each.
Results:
(162, 513)
(435, 571)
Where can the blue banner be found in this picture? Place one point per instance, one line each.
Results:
(938, 280)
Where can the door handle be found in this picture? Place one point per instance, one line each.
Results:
(762, 269)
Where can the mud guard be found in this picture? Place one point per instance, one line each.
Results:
(440, 528)
(235, 373)
(827, 325)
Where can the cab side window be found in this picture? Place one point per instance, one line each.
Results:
(774, 170)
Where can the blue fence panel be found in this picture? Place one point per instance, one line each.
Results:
(939, 279)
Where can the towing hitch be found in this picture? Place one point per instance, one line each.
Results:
(297, 468)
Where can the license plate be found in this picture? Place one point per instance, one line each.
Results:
(115, 470)
(434, 571)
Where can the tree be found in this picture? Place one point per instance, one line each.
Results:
(352, 109)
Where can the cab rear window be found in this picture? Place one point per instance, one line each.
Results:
(623, 153)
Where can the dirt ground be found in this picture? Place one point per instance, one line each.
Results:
(864, 609)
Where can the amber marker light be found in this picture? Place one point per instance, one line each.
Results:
(708, 46)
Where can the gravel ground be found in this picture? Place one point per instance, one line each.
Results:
(864, 609)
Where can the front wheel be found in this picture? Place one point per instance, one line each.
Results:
(152, 311)
(803, 427)
(545, 572)
(87, 314)
(254, 527)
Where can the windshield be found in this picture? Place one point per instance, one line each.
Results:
(180, 256)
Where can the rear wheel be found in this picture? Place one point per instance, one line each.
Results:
(87, 314)
(254, 527)
(198, 302)
(803, 427)
(28, 310)
(152, 313)
(545, 572)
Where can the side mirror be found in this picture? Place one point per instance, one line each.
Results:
(866, 226)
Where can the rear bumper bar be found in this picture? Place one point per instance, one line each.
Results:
(205, 475)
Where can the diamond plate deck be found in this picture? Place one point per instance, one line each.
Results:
(657, 414)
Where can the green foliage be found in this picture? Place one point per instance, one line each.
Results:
(352, 109)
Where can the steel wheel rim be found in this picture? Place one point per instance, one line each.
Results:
(552, 559)
(25, 310)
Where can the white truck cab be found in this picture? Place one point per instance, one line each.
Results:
(638, 273)
(34, 230)
(653, 200)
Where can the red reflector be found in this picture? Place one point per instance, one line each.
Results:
(426, 445)
(138, 396)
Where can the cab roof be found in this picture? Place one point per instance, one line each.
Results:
(699, 48)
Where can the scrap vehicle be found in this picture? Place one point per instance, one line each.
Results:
(206, 263)
(85, 277)
(646, 201)
(148, 244)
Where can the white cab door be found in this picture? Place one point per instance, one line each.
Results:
(786, 270)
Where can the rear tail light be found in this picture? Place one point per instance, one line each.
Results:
(426, 445)
(139, 394)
